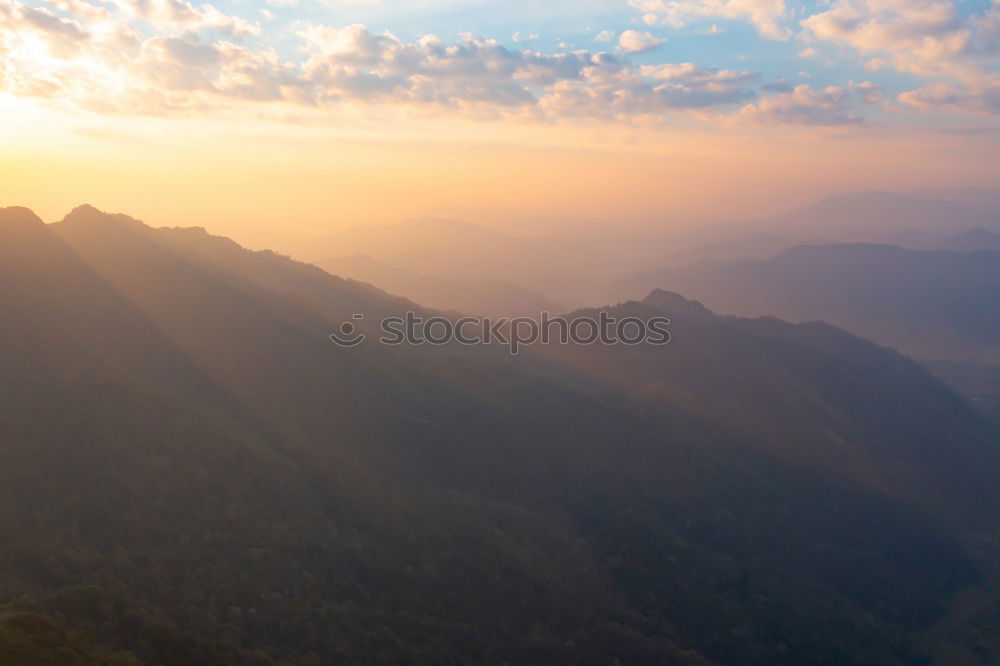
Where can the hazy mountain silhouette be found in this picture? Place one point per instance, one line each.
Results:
(918, 220)
(885, 217)
(471, 296)
(397, 242)
(192, 471)
(560, 269)
(750, 374)
(975, 197)
(979, 381)
(934, 305)
(451, 264)
(973, 240)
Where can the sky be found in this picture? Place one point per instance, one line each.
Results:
(276, 119)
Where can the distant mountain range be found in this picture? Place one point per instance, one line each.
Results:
(918, 221)
(933, 304)
(940, 306)
(891, 218)
(469, 296)
(465, 267)
(973, 240)
(753, 373)
(454, 263)
(191, 471)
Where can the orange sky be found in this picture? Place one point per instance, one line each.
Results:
(274, 120)
(267, 183)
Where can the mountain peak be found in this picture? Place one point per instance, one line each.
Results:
(665, 298)
(973, 240)
(87, 214)
(978, 232)
(675, 304)
(85, 209)
(18, 217)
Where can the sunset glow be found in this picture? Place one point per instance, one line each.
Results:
(625, 115)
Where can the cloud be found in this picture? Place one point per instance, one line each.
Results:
(832, 106)
(605, 36)
(193, 60)
(928, 38)
(109, 65)
(43, 20)
(765, 15)
(179, 64)
(178, 13)
(650, 93)
(921, 36)
(353, 63)
(520, 37)
(981, 98)
(633, 41)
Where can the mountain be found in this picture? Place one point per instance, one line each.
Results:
(476, 297)
(979, 381)
(975, 197)
(562, 269)
(32, 640)
(191, 471)
(911, 220)
(736, 246)
(933, 305)
(396, 242)
(460, 266)
(748, 375)
(921, 220)
(973, 240)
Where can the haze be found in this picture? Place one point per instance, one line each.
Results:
(523, 333)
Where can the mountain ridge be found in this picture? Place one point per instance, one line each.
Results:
(229, 487)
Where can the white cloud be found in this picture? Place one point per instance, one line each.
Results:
(982, 97)
(109, 67)
(922, 36)
(832, 106)
(352, 63)
(605, 36)
(633, 41)
(91, 56)
(651, 92)
(766, 15)
(178, 13)
(928, 38)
